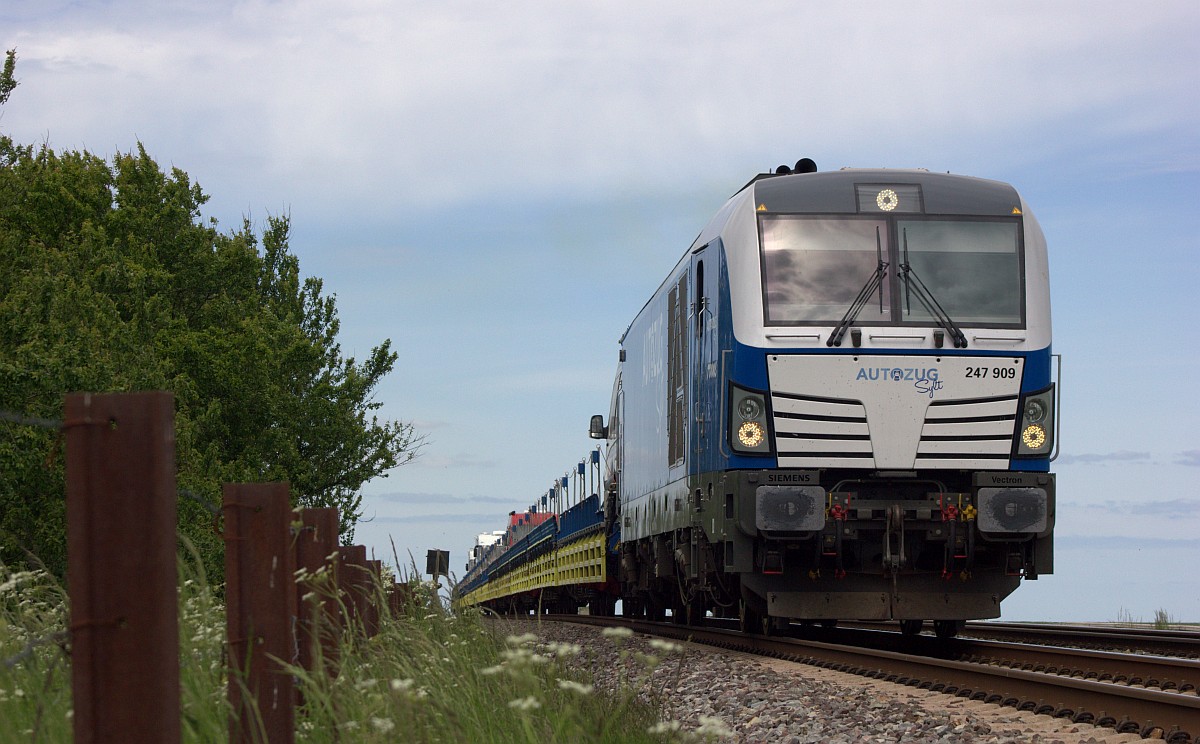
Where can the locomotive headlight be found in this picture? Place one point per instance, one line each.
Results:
(748, 431)
(749, 409)
(750, 434)
(1035, 411)
(1035, 433)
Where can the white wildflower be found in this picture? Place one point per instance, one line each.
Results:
(489, 671)
(711, 726)
(521, 640)
(617, 633)
(528, 703)
(667, 647)
(401, 685)
(519, 656)
(382, 725)
(564, 650)
(573, 686)
(665, 727)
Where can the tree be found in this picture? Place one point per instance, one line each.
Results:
(111, 281)
(7, 81)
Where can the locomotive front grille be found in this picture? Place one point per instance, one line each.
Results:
(968, 433)
(821, 432)
(894, 412)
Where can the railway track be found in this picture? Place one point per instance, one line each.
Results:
(1131, 693)
(1184, 643)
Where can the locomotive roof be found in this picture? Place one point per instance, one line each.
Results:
(834, 191)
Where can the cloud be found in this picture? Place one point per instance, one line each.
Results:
(543, 97)
(1190, 458)
(1122, 542)
(435, 498)
(1105, 458)
(475, 518)
(1175, 508)
(451, 461)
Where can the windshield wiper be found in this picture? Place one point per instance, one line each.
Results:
(864, 294)
(913, 283)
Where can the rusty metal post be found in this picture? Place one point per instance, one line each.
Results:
(120, 469)
(374, 589)
(352, 578)
(400, 599)
(319, 620)
(260, 596)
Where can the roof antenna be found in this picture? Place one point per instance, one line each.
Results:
(805, 165)
(782, 170)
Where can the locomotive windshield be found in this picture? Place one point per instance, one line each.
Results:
(815, 267)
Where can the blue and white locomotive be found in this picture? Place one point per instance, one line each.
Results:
(839, 405)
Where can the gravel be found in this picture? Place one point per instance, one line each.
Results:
(731, 696)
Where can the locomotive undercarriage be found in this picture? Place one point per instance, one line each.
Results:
(902, 546)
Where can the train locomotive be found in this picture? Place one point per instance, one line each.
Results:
(840, 404)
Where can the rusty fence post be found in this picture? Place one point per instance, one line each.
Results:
(318, 625)
(400, 599)
(374, 589)
(120, 470)
(352, 580)
(260, 596)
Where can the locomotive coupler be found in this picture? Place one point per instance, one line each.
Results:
(893, 539)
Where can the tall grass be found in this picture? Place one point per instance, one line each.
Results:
(35, 675)
(427, 676)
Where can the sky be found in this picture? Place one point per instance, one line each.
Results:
(498, 188)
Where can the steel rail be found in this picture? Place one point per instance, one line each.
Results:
(1172, 642)
(1128, 709)
(1162, 672)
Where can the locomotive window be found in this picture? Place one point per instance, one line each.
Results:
(814, 267)
(972, 267)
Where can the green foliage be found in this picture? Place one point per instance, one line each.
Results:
(7, 81)
(110, 281)
(428, 676)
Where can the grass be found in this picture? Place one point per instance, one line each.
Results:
(1162, 619)
(427, 676)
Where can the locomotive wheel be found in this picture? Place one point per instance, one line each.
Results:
(631, 607)
(911, 627)
(656, 611)
(947, 628)
(750, 621)
(603, 606)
